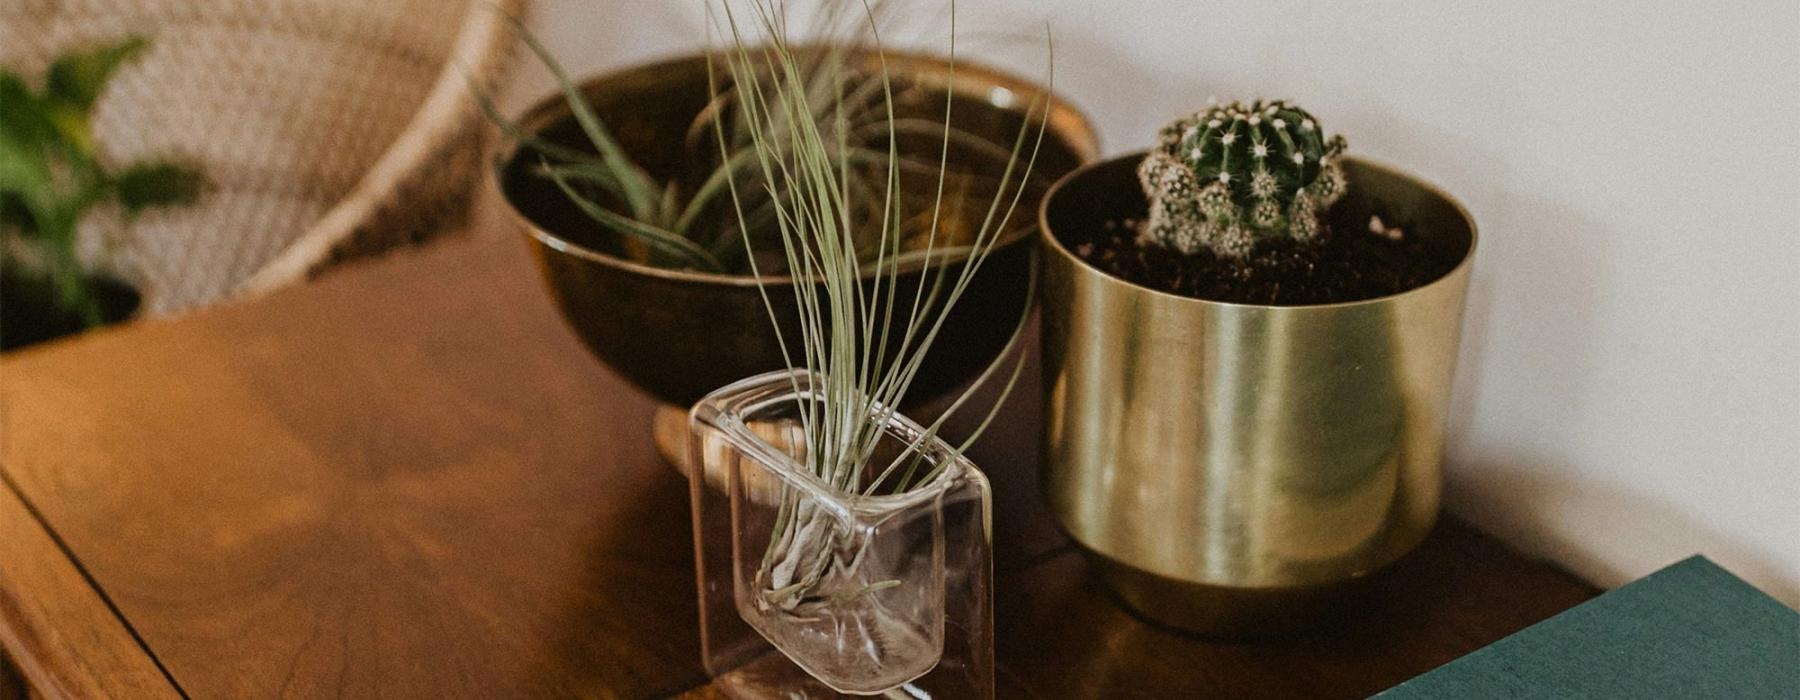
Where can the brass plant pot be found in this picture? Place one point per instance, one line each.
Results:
(1237, 470)
(678, 334)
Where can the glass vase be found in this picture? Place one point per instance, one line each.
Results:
(812, 589)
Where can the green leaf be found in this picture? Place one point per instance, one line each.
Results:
(635, 185)
(594, 172)
(73, 129)
(72, 85)
(24, 129)
(24, 173)
(15, 216)
(157, 184)
(21, 113)
(514, 132)
(714, 187)
(657, 238)
(671, 203)
(25, 132)
(77, 79)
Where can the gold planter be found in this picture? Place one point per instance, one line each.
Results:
(1237, 469)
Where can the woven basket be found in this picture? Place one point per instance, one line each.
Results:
(330, 129)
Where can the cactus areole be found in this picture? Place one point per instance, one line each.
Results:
(1235, 173)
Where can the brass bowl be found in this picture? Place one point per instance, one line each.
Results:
(1238, 469)
(679, 334)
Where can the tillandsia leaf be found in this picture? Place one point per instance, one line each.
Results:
(846, 596)
(635, 186)
(513, 132)
(957, 137)
(913, 456)
(802, 266)
(658, 239)
(941, 258)
(149, 185)
(671, 205)
(821, 89)
(808, 168)
(589, 171)
(903, 378)
(892, 207)
(852, 386)
(974, 264)
(712, 189)
(729, 246)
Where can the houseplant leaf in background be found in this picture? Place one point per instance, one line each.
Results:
(51, 177)
(24, 135)
(152, 184)
(74, 82)
(78, 78)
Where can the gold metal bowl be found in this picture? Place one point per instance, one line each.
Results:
(1236, 469)
(679, 334)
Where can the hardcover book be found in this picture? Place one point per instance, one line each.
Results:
(1692, 630)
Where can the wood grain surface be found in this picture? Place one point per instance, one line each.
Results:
(58, 634)
(410, 480)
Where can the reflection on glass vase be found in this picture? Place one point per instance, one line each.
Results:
(814, 589)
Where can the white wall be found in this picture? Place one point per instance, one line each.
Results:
(1630, 384)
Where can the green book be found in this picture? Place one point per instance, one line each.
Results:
(1691, 630)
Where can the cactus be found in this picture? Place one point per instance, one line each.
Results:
(1231, 174)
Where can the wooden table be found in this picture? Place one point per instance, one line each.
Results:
(409, 479)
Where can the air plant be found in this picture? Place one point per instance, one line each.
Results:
(1231, 174)
(861, 343)
(667, 224)
(52, 176)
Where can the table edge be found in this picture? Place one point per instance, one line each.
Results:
(56, 627)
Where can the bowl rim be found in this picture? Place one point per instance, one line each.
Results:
(1065, 122)
(1055, 245)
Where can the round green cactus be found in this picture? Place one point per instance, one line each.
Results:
(1233, 173)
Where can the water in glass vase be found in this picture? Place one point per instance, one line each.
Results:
(876, 583)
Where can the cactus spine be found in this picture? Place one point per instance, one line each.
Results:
(1233, 173)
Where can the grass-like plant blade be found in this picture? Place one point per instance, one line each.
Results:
(512, 131)
(635, 186)
(809, 163)
(656, 238)
(586, 171)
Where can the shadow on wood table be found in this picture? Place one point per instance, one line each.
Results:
(410, 479)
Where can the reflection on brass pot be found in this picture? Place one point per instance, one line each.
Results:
(1236, 468)
(680, 334)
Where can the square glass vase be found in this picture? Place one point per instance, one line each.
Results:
(812, 589)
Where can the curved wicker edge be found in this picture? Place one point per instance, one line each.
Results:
(447, 120)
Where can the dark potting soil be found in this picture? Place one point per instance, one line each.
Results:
(1347, 262)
